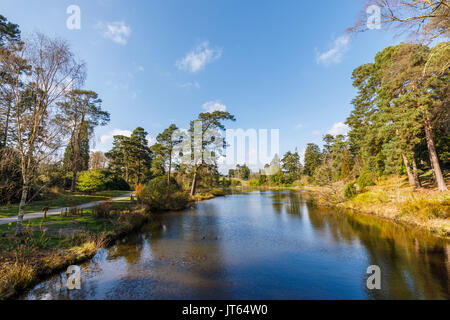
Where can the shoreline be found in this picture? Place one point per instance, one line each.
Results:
(57, 260)
(389, 210)
(54, 260)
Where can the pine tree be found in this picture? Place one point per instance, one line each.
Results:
(312, 159)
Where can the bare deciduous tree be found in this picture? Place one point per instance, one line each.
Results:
(51, 71)
(97, 161)
(425, 20)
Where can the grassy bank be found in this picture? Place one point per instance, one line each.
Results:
(393, 199)
(51, 245)
(60, 200)
(203, 195)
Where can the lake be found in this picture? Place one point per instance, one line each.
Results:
(263, 245)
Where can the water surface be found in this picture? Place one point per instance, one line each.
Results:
(263, 245)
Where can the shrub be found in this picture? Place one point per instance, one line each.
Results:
(350, 191)
(102, 210)
(367, 179)
(97, 180)
(116, 183)
(158, 194)
(91, 181)
(323, 175)
(253, 183)
(132, 220)
(277, 178)
(262, 180)
(139, 189)
(235, 183)
(226, 183)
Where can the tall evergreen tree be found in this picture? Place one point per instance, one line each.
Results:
(291, 165)
(312, 159)
(203, 137)
(119, 157)
(140, 154)
(396, 102)
(131, 157)
(168, 141)
(8, 31)
(80, 113)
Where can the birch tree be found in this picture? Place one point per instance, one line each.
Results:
(50, 72)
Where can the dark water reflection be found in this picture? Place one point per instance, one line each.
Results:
(263, 245)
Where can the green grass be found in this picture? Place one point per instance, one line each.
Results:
(60, 201)
(60, 231)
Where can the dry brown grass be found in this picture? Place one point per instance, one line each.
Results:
(15, 276)
(27, 264)
(394, 199)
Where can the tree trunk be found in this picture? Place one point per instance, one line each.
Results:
(139, 173)
(434, 160)
(74, 181)
(75, 151)
(23, 200)
(408, 170)
(170, 166)
(194, 183)
(5, 138)
(415, 172)
(126, 173)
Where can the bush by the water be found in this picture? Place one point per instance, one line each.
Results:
(350, 191)
(367, 179)
(102, 210)
(158, 194)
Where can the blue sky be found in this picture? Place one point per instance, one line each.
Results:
(274, 64)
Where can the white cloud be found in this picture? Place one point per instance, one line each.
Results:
(141, 69)
(107, 138)
(335, 54)
(339, 128)
(198, 58)
(117, 85)
(302, 155)
(316, 132)
(117, 31)
(151, 140)
(299, 126)
(212, 106)
(194, 84)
